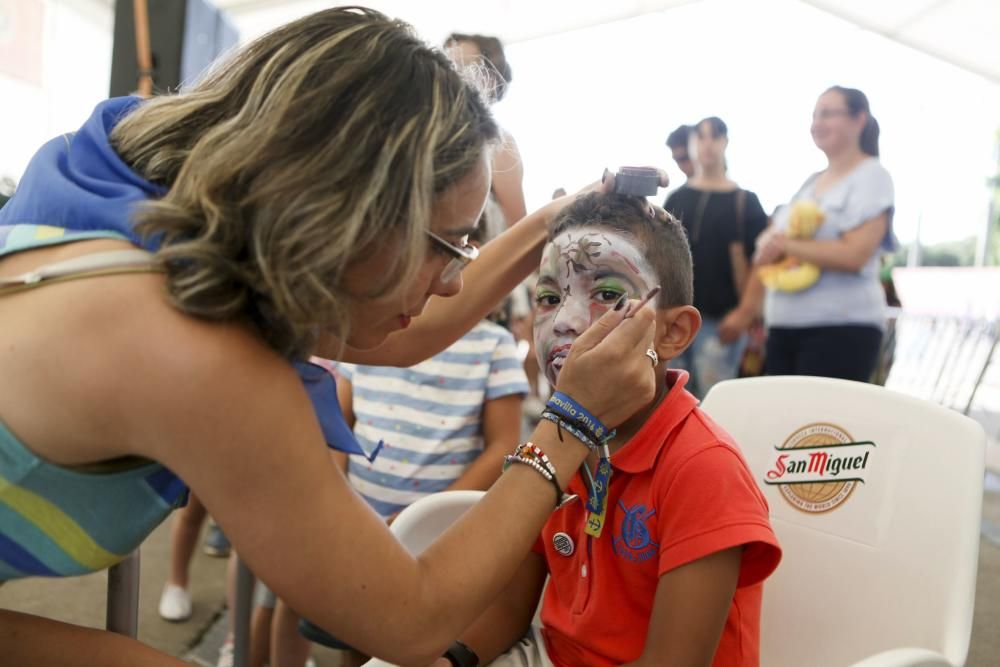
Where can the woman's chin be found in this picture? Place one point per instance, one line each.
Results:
(367, 340)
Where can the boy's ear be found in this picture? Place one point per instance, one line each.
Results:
(676, 328)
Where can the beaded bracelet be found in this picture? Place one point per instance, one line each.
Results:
(532, 451)
(535, 465)
(529, 452)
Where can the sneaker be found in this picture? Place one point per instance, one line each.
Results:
(216, 543)
(226, 654)
(175, 603)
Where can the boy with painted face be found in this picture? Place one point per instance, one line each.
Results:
(674, 576)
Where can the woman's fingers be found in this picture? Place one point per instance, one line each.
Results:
(608, 370)
(600, 329)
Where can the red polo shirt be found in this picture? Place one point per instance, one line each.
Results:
(680, 490)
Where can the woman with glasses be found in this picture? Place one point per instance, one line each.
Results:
(832, 326)
(166, 269)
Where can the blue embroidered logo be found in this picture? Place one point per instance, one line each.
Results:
(635, 544)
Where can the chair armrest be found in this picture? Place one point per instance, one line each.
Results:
(905, 657)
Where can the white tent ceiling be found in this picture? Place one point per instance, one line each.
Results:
(963, 32)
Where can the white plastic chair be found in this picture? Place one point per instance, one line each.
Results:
(420, 524)
(877, 572)
(423, 521)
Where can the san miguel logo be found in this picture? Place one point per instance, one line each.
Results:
(818, 467)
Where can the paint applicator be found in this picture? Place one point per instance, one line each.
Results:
(632, 311)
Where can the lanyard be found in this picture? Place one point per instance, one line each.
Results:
(597, 499)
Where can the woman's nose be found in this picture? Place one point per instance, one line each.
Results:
(447, 288)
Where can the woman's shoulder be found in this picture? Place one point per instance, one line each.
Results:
(871, 178)
(869, 167)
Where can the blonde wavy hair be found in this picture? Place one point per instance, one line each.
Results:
(318, 143)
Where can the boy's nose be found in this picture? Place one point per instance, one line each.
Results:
(573, 317)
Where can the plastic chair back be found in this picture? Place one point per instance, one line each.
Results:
(876, 500)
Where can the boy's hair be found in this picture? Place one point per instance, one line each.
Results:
(663, 242)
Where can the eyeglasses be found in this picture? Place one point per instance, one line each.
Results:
(461, 255)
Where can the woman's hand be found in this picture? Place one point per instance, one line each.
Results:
(734, 324)
(770, 247)
(605, 185)
(608, 371)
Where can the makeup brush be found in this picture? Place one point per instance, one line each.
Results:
(632, 311)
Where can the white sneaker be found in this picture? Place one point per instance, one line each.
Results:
(175, 603)
(226, 654)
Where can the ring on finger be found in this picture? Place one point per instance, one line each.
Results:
(653, 356)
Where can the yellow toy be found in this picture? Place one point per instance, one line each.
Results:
(790, 274)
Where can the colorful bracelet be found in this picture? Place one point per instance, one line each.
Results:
(572, 411)
(535, 465)
(532, 451)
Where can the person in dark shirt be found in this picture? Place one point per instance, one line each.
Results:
(722, 221)
(677, 142)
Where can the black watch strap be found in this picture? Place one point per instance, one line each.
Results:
(461, 655)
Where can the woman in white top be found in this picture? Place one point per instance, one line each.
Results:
(834, 327)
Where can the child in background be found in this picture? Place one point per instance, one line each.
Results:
(669, 565)
(446, 422)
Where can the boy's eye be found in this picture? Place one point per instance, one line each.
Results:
(608, 295)
(547, 299)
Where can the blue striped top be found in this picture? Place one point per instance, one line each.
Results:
(429, 416)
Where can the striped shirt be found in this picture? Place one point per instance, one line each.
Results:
(430, 416)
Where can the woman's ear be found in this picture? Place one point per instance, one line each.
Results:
(676, 329)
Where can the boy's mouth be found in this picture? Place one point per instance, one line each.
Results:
(557, 357)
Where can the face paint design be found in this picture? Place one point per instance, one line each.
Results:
(584, 272)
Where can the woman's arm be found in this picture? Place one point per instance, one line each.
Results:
(689, 611)
(501, 432)
(502, 264)
(250, 447)
(266, 476)
(742, 316)
(849, 253)
(508, 176)
(509, 617)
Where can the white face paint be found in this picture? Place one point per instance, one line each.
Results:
(584, 272)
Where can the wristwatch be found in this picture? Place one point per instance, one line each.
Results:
(460, 655)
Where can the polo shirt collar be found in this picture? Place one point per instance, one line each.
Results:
(640, 452)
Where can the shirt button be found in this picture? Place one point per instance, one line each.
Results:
(583, 571)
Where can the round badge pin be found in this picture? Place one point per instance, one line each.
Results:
(563, 544)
